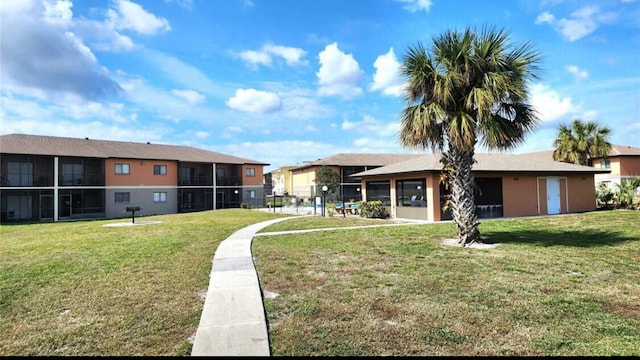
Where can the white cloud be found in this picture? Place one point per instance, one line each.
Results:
(388, 77)
(578, 74)
(44, 58)
(58, 12)
(292, 56)
(545, 17)
(371, 125)
(265, 56)
(549, 104)
(191, 96)
(131, 16)
(581, 22)
(251, 100)
(255, 57)
(93, 120)
(183, 73)
(416, 5)
(339, 73)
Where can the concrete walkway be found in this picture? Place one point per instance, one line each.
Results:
(233, 319)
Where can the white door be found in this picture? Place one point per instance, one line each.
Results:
(553, 195)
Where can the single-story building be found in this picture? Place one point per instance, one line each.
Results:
(507, 185)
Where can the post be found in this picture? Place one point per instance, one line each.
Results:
(133, 210)
(324, 195)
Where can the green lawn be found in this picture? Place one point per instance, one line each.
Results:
(80, 288)
(561, 285)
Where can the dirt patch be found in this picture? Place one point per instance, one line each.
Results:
(629, 311)
(454, 242)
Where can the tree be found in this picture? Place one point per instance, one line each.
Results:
(581, 142)
(626, 192)
(469, 88)
(326, 176)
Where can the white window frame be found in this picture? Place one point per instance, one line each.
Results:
(251, 172)
(160, 197)
(122, 169)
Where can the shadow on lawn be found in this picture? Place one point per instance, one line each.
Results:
(585, 238)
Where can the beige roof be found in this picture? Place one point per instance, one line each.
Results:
(63, 146)
(358, 160)
(624, 150)
(485, 162)
(616, 150)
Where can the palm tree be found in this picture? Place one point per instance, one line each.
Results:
(469, 88)
(581, 142)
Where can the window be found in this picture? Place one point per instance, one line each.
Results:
(72, 174)
(379, 190)
(159, 197)
(159, 169)
(410, 193)
(605, 164)
(250, 172)
(122, 198)
(251, 194)
(122, 168)
(20, 173)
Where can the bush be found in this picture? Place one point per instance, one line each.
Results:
(604, 196)
(373, 209)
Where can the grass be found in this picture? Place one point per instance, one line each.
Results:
(561, 285)
(564, 285)
(80, 288)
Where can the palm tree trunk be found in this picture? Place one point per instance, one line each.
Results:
(463, 202)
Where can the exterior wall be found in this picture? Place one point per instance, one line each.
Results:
(288, 179)
(582, 194)
(142, 197)
(523, 194)
(47, 194)
(520, 195)
(630, 166)
(304, 182)
(281, 180)
(252, 180)
(611, 179)
(141, 173)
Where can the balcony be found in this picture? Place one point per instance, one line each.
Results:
(81, 180)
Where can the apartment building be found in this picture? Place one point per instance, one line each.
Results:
(46, 178)
(303, 177)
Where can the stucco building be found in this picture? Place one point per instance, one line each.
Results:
(46, 178)
(507, 185)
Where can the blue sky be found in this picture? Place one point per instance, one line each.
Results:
(287, 81)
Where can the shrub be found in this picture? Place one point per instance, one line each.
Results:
(373, 209)
(604, 196)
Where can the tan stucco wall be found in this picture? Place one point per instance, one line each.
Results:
(303, 182)
(140, 173)
(582, 193)
(523, 194)
(520, 195)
